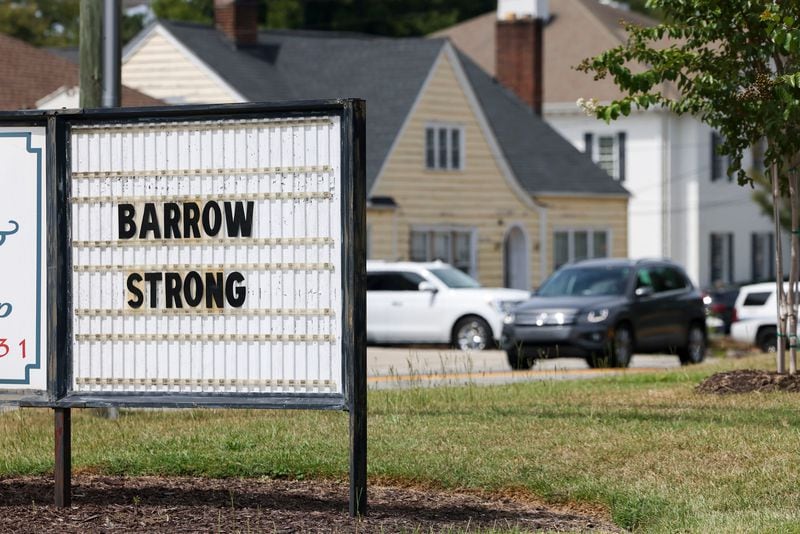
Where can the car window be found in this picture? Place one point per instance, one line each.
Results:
(661, 279)
(756, 299)
(455, 279)
(644, 278)
(577, 281)
(393, 281)
(667, 279)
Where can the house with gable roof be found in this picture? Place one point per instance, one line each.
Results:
(458, 168)
(683, 203)
(34, 78)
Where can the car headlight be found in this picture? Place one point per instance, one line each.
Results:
(503, 306)
(597, 316)
(509, 318)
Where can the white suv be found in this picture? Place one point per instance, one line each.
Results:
(434, 303)
(755, 319)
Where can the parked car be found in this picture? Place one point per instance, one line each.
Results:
(434, 303)
(604, 310)
(756, 313)
(720, 308)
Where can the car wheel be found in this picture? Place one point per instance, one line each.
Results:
(472, 333)
(518, 360)
(597, 361)
(768, 339)
(621, 347)
(695, 349)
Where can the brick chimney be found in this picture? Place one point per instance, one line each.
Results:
(237, 20)
(520, 48)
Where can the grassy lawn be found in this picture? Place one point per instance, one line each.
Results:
(660, 457)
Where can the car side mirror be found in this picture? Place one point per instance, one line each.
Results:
(427, 286)
(645, 291)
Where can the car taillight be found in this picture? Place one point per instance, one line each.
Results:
(718, 308)
(734, 315)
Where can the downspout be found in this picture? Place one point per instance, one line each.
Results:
(666, 190)
(542, 212)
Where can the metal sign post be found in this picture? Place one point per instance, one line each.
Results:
(202, 256)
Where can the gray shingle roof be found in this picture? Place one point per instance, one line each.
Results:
(389, 74)
(301, 65)
(542, 160)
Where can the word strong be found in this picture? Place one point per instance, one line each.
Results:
(185, 220)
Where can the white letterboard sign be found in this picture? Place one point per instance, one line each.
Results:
(23, 257)
(206, 256)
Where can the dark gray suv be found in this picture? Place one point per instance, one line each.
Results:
(604, 310)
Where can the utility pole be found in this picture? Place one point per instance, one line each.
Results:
(100, 53)
(111, 54)
(91, 39)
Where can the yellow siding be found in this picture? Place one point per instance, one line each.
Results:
(477, 196)
(382, 234)
(159, 69)
(588, 213)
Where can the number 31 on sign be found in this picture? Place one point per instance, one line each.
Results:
(5, 349)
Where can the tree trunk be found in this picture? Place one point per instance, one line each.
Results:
(791, 301)
(779, 294)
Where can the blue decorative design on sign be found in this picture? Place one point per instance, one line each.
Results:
(5, 310)
(38, 152)
(5, 233)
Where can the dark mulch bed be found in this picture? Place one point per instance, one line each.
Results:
(749, 380)
(155, 504)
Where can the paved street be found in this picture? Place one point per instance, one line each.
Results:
(392, 367)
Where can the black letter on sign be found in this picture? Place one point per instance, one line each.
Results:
(149, 222)
(172, 220)
(153, 279)
(133, 288)
(214, 289)
(191, 214)
(235, 295)
(193, 297)
(239, 223)
(127, 226)
(172, 290)
(207, 226)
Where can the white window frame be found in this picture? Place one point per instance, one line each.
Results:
(571, 231)
(614, 160)
(449, 128)
(728, 260)
(431, 229)
(720, 162)
(767, 241)
(618, 158)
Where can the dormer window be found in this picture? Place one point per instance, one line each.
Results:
(444, 147)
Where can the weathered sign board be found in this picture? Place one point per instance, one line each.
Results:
(196, 256)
